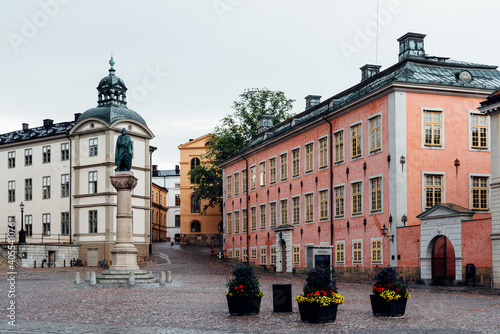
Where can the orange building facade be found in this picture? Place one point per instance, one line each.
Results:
(159, 211)
(393, 171)
(196, 228)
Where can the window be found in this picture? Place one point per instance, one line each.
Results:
(195, 162)
(309, 208)
(11, 159)
(323, 204)
(284, 211)
(177, 200)
(339, 202)
(92, 221)
(262, 174)
(375, 134)
(272, 170)
(93, 182)
(356, 141)
(253, 217)
(65, 185)
(46, 154)
(28, 157)
(244, 221)
(433, 190)
(177, 185)
(376, 251)
(272, 214)
(296, 255)
(309, 157)
(253, 253)
(245, 255)
(229, 223)
(195, 204)
(237, 253)
(263, 217)
(28, 224)
(237, 222)
(244, 181)
(323, 152)
(296, 210)
(339, 147)
(195, 226)
(357, 252)
(253, 181)
(64, 151)
(229, 253)
(46, 187)
(273, 255)
(177, 221)
(432, 128)
(64, 223)
(46, 223)
(28, 189)
(357, 199)
(236, 184)
(229, 186)
(376, 194)
(479, 193)
(93, 147)
(339, 253)
(263, 256)
(12, 191)
(479, 129)
(295, 162)
(284, 166)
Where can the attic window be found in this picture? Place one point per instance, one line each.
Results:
(465, 76)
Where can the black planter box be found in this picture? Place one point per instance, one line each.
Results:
(243, 305)
(314, 313)
(394, 308)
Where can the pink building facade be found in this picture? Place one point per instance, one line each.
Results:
(393, 171)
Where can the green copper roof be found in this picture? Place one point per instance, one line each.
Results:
(111, 114)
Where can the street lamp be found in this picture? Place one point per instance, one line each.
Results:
(22, 233)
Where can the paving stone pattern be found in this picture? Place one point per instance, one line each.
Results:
(48, 302)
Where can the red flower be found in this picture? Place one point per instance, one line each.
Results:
(236, 288)
(310, 295)
(390, 286)
(241, 286)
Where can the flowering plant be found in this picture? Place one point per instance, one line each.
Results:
(389, 286)
(244, 282)
(320, 288)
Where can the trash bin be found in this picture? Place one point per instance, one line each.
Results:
(282, 297)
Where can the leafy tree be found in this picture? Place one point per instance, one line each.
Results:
(231, 136)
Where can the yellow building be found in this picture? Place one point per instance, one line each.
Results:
(196, 228)
(159, 207)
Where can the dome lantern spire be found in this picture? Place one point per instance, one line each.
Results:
(112, 89)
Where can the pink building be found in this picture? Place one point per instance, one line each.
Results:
(393, 171)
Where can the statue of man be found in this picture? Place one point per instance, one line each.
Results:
(123, 152)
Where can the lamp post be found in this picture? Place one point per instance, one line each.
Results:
(22, 233)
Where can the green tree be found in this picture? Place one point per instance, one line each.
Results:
(232, 135)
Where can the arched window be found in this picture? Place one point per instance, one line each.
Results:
(195, 226)
(195, 162)
(195, 204)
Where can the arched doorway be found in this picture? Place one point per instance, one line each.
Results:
(283, 255)
(443, 262)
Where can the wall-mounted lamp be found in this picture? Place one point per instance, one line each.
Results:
(301, 184)
(364, 223)
(364, 167)
(385, 234)
(402, 161)
(457, 164)
(290, 187)
(279, 190)
(404, 219)
(389, 160)
(319, 229)
(316, 180)
(267, 236)
(390, 219)
(347, 172)
(347, 226)
(256, 237)
(301, 232)
(281, 235)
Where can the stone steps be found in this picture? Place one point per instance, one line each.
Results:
(122, 276)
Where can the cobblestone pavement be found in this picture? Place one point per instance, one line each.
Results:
(47, 301)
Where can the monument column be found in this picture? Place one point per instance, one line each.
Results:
(124, 253)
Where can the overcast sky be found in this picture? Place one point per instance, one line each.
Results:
(185, 61)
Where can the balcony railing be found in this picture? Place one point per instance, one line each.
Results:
(41, 238)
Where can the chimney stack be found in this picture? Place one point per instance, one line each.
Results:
(47, 123)
(312, 100)
(177, 169)
(411, 45)
(26, 126)
(369, 71)
(77, 116)
(155, 169)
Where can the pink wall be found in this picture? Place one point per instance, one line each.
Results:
(476, 242)
(409, 246)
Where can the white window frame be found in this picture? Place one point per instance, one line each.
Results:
(287, 167)
(305, 158)
(305, 207)
(362, 197)
(291, 160)
(249, 176)
(252, 249)
(277, 216)
(381, 134)
(260, 255)
(262, 182)
(337, 243)
(250, 217)
(350, 141)
(260, 216)
(287, 211)
(343, 147)
(443, 196)
(381, 193)
(300, 210)
(352, 252)
(422, 128)
(381, 250)
(327, 205)
(471, 175)
(237, 214)
(327, 152)
(488, 136)
(335, 201)
(229, 192)
(293, 254)
(236, 189)
(276, 169)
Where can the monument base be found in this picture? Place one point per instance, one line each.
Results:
(122, 276)
(124, 257)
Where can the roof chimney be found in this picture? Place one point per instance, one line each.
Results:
(312, 100)
(264, 122)
(177, 169)
(26, 126)
(411, 45)
(77, 115)
(47, 123)
(369, 71)
(155, 170)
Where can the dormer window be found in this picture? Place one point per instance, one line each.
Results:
(465, 76)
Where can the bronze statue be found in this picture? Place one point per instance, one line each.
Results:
(123, 152)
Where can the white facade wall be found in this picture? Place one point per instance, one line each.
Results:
(172, 184)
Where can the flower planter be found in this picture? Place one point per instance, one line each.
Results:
(243, 305)
(314, 313)
(394, 308)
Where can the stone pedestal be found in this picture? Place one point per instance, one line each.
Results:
(124, 253)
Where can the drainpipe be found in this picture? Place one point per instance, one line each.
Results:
(70, 190)
(248, 211)
(331, 179)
